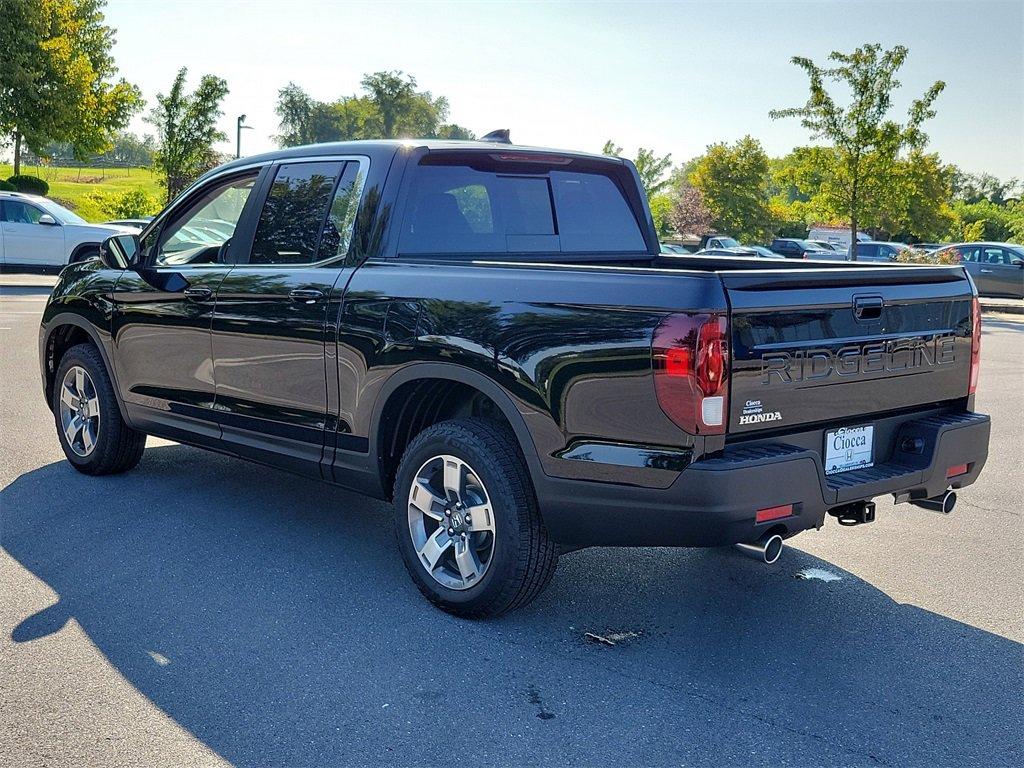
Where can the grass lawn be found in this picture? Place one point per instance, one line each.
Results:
(70, 186)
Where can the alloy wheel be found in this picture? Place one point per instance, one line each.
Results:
(451, 522)
(79, 410)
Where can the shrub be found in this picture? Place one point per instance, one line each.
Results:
(130, 204)
(30, 185)
(5, 187)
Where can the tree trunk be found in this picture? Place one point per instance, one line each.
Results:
(17, 152)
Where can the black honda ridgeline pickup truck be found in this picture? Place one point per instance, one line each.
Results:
(487, 334)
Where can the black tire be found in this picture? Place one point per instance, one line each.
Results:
(523, 558)
(117, 447)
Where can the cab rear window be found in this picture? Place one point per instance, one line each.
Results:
(459, 209)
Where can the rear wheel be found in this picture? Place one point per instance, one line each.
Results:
(467, 521)
(95, 438)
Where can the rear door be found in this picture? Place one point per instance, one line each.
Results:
(269, 328)
(832, 345)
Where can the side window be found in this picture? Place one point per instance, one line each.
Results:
(867, 251)
(197, 234)
(969, 253)
(997, 256)
(295, 214)
(17, 212)
(341, 216)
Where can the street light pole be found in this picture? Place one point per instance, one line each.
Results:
(240, 124)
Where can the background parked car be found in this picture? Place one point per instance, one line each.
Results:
(793, 248)
(675, 248)
(764, 253)
(996, 268)
(823, 244)
(37, 232)
(747, 251)
(879, 251)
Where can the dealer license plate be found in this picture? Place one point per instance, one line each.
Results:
(848, 448)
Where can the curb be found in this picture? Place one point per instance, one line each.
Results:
(1003, 309)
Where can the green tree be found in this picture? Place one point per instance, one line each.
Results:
(867, 143)
(733, 181)
(652, 169)
(389, 107)
(186, 125)
(57, 77)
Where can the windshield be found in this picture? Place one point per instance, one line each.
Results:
(62, 214)
(728, 242)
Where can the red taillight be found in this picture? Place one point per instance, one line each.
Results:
(956, 471)
(690, 356)
(975, 345)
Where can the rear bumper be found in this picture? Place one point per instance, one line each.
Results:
(713, 502)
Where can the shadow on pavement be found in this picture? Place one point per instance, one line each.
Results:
(272, 618)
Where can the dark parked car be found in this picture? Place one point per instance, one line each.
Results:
(488, 335)
(792, 248)
(996, 268)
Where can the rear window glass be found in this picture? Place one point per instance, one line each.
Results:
(455, 209)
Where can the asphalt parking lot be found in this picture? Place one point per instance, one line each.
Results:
(202, 610)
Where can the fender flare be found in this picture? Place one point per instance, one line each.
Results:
(469, 377)
(70, 318)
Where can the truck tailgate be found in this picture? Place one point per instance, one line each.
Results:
(814, 346)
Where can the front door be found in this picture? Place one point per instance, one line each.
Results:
(269, 330)
(26, 241)
(163, 309)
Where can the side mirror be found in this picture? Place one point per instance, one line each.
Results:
(1018, 263)
(48, 220)
(119, 251)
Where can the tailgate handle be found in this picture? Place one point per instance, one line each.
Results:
(867, 307)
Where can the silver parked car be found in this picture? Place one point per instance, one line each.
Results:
(996, 268)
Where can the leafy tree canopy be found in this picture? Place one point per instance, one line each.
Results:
(865, 140)
(389, 107)
(733, 181)
(57, 77)
(186, 125)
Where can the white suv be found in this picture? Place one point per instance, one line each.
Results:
(37, 232)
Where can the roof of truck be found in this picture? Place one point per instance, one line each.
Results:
(379, 146)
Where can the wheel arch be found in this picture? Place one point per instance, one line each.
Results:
(64, 331)
(78, 250)
(447, 381)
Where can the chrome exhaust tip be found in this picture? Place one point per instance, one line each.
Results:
(767, 549)
(943, 503)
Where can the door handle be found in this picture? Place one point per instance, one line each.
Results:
(306, 295)
(986, 271)
(199, 293)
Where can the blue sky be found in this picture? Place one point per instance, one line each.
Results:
(670, 76)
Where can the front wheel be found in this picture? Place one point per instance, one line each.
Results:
(95, 438)
(467, 521)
